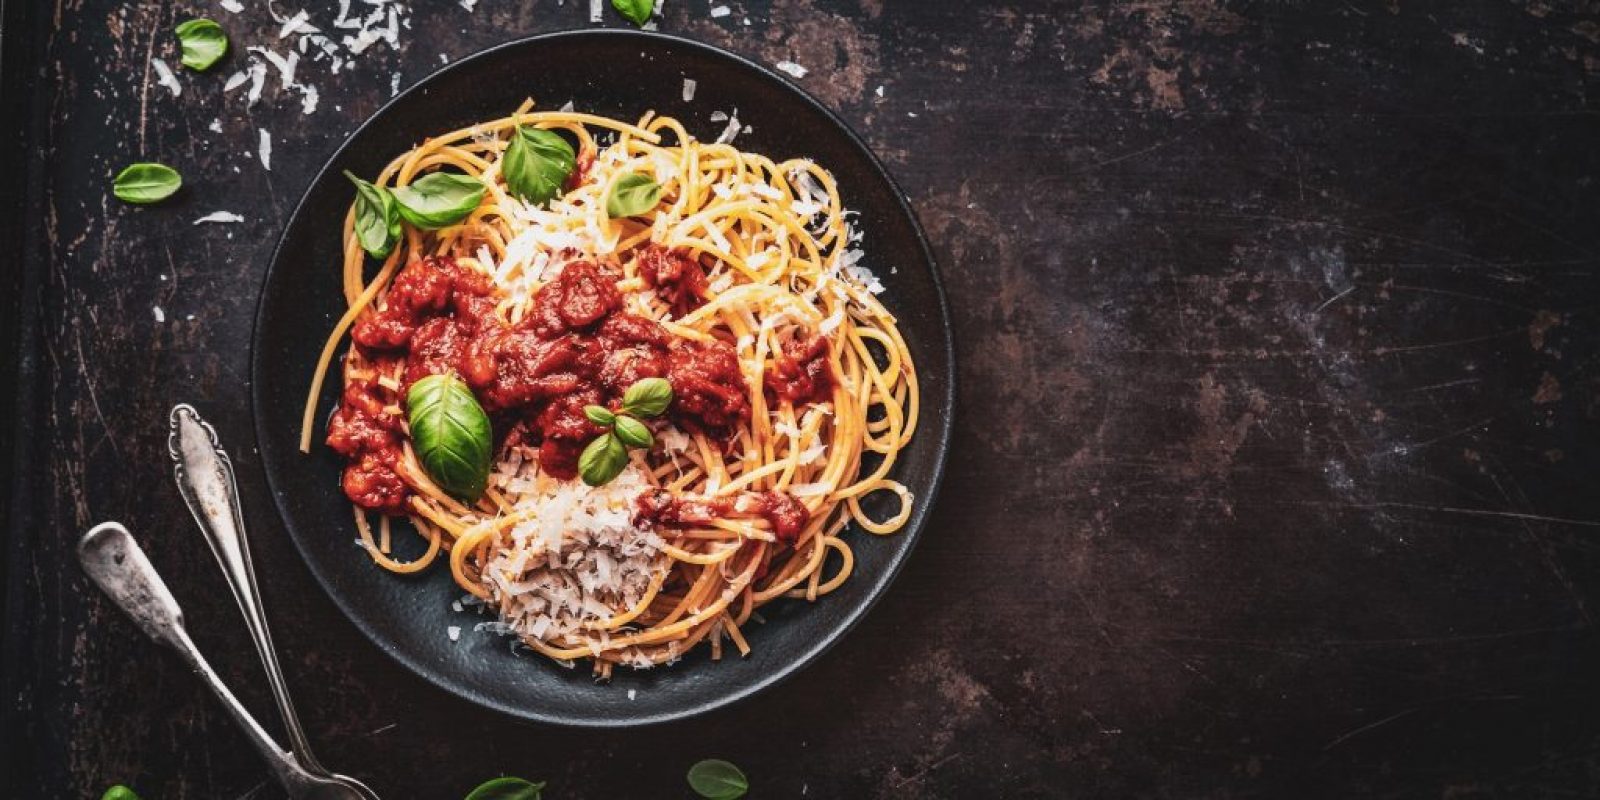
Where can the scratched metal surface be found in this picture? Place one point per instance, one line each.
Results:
(1277, 324)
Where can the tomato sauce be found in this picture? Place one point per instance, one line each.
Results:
(800, 372)
(574, 347)
(786, 515)
(676, 276)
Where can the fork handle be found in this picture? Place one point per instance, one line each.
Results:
(205, 478)
(116, 563)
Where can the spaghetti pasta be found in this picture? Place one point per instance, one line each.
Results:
(743, 259)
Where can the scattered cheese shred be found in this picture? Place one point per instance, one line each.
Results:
(231, 6)
(688, 89)
(718, 12)
(165, 77)
(792, 68)
(265, 148)
(219, 216)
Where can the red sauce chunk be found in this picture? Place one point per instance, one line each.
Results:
(800, 373)
(361, 432)
(575, 347)
(675, 276)
(786, 515)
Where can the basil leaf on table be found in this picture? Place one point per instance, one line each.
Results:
(636, 11)
(451, 434)
(507, 788)
(716, 779)
(119, 792)
(377, 218)
(602, 460)
(648, 397)
(146, 182)
(632, 432)
(632, 195)
(537, 164)
(438, 199)
(204, 43)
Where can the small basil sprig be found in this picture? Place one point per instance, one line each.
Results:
(632, 195)
(203, 42)
(119, 792)
(602, 460)
(507, 788)
(451, 434)
(377, 218)
(537, 164)
(607, 455)
(648, 397)
(438, 199)
(637, 11)
(716, 779)
(146, 182)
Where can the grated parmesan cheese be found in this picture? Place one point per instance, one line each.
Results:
(718, 12)
(165, 77)
(161, 316)
(792, 68)
(231, 6)
(728, 133)
(219, 216)
(264, 148)
(688, 89)
(454, 632)
(579, 559)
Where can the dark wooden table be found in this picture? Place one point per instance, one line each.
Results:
(1277, 326)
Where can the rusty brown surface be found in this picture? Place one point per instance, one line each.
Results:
(1277, 328)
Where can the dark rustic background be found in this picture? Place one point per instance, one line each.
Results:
(1277, 324)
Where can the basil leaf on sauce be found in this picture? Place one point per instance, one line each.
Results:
(146, 182)
(507, 788)
(438, 199)
(451, 434)
(632, 195)
(648, 397)
(599, 415)
(203, 42)
(716, 779)
(632, 432)
(537, 164)
(377, 218)
(602, 460)
(119, 792)
(636, 11)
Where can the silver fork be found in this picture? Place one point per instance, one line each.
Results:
(204, 474)
(119, 567)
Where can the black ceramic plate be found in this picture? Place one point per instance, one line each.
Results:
(620, 74)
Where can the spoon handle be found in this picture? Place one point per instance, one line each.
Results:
(119, 567)
(205, 479)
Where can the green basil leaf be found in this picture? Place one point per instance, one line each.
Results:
(632, 195)
(203, 42)
(537, 164)
(146, 183)
(451, 434)
(119, 792)
(438, 199)
(647, 398)
(632, 432)
(602, 460)
(377, 218)
(636, 11)
(716, 779)
(599, 415)
(507, 788)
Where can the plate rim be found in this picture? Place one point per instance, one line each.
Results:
(810, 652)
